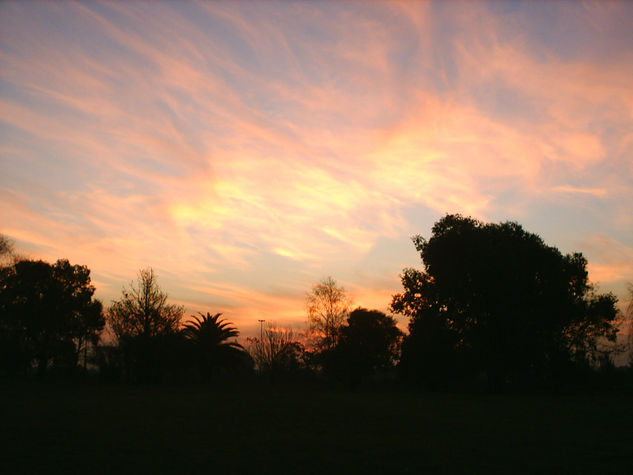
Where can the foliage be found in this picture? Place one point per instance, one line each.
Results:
(143, 310)
(147, 330)
(212, 351)
(328, 306)
(6, 246)
(628, 321)
(278, 351)
(495, 298)
(7, 251)
(47, 314)
(368, 343)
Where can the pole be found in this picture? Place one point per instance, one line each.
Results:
(261, 329)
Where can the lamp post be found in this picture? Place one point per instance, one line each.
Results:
(261, 329)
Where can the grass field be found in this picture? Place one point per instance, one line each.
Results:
(112, 429)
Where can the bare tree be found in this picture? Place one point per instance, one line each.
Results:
(143, 310)
(277, 350)
(328, 307)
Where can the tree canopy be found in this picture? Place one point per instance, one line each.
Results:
(497, 299)
(213, 349)
(47, 314)
(368, 342)
(143, 310)
(328, 306)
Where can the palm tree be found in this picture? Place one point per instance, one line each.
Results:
(209, 338)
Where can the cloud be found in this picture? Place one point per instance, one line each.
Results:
(610, 260)
(587, 191)
(304, 133)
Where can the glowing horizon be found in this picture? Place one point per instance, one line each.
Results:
(245, 150)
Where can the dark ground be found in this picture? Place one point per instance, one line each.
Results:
(112, 429)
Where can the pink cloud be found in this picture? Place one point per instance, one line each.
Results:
(201, 160)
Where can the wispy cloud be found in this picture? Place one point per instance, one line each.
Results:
(586, 191)
(221, 142)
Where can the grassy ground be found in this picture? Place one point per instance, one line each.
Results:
(88, 429)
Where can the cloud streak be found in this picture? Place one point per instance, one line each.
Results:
(238, 146)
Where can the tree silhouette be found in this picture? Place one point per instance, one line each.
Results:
(278, 351)
(628, 321)
(147, 329)
(143, 310)
(47, 314)
(213, 351)
(328, 306)
(6, 246)
(369, 342)
(495, 298)
(7, 252)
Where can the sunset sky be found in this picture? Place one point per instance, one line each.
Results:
(246, 150)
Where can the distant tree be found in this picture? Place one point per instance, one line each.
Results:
(278, 351)
(6, 250)
(369, 342)
(147, 330)
(47, 314)
(213, 350)
(328, 306)
(6, 246)
(143, 310)
(495, 298)
(628, 319)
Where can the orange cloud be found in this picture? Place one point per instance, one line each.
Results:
(223, 153)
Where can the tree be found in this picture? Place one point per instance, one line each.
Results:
(7, 252)
(368, 343)
(147, 330)
(47, 314)
(143, 310)
(6, 246)
(328, 306)
(497, 299)
(628, 320)
(278, 351)
(213, 352)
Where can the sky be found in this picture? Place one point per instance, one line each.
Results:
(246, 150)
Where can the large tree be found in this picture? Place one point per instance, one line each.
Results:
(495, 298)
(328, 306)
(47, 314)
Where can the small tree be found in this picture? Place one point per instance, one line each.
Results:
(6, 250)
(143, 310)
(628, 319)
(328, 306)
(6, 246)
(213, 351)
(277, 351)
(369, 343)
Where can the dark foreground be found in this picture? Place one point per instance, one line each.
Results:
(112, 429)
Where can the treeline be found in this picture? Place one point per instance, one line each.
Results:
(493, 307)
